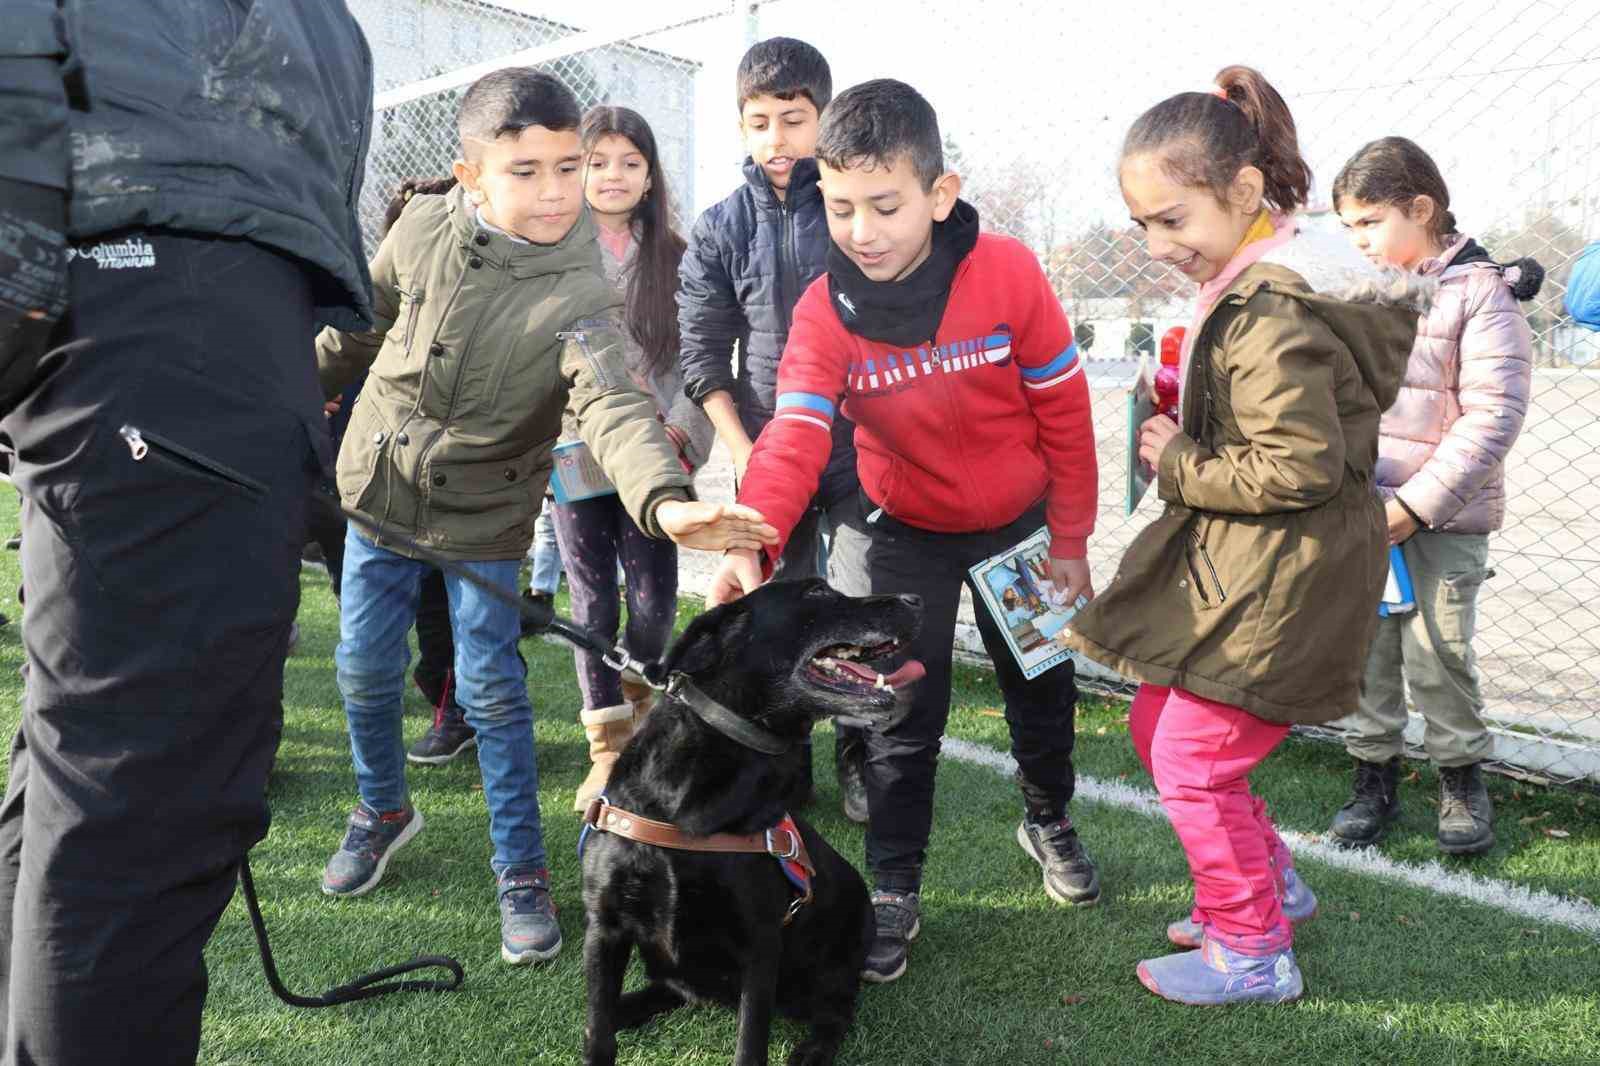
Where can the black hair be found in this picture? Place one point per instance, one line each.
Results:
(414, 187)
(509, 101)
(877, 122)
(650, 297)
(1205, 139)
(785, 68)
(1393, 170)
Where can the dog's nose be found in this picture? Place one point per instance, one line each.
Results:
(911, 599)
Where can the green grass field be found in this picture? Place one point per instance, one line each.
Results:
(1001, 975)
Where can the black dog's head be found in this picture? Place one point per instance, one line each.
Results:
(792, 652)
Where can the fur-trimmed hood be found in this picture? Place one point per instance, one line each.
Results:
(1368, 307)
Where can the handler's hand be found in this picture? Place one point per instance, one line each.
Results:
(330, 408)
(739, 573)
(1154, 436)
(714, 526)
(1071, 577)
(1401, 524)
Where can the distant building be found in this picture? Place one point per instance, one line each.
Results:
(417, 39)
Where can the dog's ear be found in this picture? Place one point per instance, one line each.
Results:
(702, 644)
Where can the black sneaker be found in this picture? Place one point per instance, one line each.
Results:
(1466, 817)
(852, 784)
(1069, 874)
(449, 737)
(899, 918)
(537, 610)
(1374, 803)
(368, 845)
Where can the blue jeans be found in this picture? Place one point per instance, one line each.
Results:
(544, 554)
(376, 610)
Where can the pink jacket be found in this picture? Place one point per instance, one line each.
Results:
(1442, 446)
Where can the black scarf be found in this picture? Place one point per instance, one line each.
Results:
(904, 313)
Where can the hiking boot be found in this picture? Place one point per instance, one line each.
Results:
(899, 918)
(1069, 873)
(528, 928)
(368, 845)
(1466, 817)
(1374, 803)
(609, 729)
(537, 609)
(850, 766)
(1215, 975)
(1299, 905)
(449, 737)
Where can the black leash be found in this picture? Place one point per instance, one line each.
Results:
(543, 616)
(363, 987)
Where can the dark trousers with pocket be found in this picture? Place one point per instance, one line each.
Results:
(165, 461)
(888, 556)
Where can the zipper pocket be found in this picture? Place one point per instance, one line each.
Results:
(1199, 577)
(141, 443)
(413, 310)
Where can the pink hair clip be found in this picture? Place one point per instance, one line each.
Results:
(1219, 92)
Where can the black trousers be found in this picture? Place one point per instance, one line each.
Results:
(165, 464)
(888, 556)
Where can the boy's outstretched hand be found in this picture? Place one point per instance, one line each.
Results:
(1071, 577)
(714, 526)
(739, 573)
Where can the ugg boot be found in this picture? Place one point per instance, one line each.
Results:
(608, 729)
(641, 697)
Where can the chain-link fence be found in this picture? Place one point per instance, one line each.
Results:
(1034, 97)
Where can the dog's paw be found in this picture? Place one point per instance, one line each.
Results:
(814, 1053)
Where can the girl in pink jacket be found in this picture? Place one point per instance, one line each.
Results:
(1441, 471)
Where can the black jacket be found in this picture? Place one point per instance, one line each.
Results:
(749, 259)
(225, 117)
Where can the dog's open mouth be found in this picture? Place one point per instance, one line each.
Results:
(851, 668)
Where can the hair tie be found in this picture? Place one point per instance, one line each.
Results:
(1221, 93)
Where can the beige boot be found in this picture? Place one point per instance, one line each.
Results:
(608, 729)
(641, 697)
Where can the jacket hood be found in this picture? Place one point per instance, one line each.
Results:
(578, 250)
(1373, 310)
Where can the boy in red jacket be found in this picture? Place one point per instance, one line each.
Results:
(950, 352)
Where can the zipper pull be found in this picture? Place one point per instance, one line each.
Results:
(136, 444)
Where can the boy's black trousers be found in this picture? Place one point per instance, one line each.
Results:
(164, 461)
(880, 555)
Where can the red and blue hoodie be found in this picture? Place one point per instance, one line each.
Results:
(960, 434)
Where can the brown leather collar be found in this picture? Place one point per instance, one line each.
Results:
(782, 842)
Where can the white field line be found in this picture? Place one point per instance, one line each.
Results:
(1502, 895)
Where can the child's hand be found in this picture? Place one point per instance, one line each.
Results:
(741, 459)
(1154, 436)
(739, 573)
(330, 408)
(1071, 579)
(714, 526)
(1401, 524)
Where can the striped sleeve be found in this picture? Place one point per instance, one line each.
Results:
(1057, 389)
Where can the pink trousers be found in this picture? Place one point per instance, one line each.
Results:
(1200, 753)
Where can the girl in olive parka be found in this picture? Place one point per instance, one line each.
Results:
(1248, 605)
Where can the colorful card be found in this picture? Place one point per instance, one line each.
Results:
(1014, 587)
(576, 475)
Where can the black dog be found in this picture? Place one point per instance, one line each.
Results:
(713, 926)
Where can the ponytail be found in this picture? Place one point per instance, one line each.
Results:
(1205, 139)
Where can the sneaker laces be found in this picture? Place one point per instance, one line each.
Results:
(1369, 783)
(527, 893)
(895, 913)
(1456, 782)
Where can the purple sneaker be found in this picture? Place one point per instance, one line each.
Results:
(1299, 905)
(1216, 975)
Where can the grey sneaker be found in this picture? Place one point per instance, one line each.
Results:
(1466, 817)
(368, 845)
(1069, 874)
(528, 928)
(899, 917)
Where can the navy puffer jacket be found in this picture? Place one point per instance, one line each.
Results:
(749, 259)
